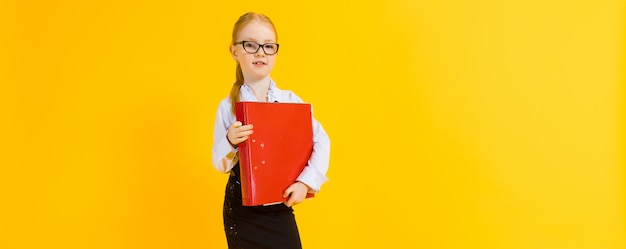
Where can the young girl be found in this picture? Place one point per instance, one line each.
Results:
(254, 47)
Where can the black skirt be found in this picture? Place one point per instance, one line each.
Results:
(258, 226)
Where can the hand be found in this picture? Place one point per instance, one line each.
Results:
(296, 193)
(238, 133)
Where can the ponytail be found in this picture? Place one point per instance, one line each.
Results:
(234, 92)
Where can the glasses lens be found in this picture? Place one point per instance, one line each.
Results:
(250, 47)
(270, 48)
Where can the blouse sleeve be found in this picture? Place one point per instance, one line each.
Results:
(224, 155)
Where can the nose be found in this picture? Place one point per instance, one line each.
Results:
(260, 52)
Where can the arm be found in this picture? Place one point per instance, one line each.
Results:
(227, 134)
(314, 173)
(224, 154)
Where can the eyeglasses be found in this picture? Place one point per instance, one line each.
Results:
(253, 47)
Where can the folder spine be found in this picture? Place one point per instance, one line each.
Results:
(244, 160)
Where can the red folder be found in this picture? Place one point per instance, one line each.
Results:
(277, 151)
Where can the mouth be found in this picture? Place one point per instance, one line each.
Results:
(259, 63)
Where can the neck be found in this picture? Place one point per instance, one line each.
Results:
(260, 88)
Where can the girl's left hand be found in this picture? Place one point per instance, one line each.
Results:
(296, 193)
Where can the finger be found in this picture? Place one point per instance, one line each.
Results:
(241, 139)
(288, 192)
(236, 124)
(240, 133)
(242, 128)
(236, 136)
(244, 133)
(289, 202)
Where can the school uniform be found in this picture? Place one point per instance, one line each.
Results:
(271, 226)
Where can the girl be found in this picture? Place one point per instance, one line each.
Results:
(254, 47)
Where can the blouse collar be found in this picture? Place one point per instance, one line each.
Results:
(246, 93)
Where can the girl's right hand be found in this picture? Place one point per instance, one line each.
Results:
(238, 133)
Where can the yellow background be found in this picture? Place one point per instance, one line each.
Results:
(454, 124)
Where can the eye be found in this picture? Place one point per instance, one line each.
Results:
(251, 45)
(270, 46)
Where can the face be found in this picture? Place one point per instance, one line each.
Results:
(255, 66)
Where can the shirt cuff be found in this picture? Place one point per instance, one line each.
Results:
(312, 178)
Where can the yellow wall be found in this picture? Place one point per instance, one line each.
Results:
(454, 124)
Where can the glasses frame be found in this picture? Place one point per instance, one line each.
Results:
(261, 46)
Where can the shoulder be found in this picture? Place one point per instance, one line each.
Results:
(225, 102)
(224, 106)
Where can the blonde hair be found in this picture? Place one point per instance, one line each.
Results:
(239, 25)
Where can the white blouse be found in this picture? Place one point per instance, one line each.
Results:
(225, 157)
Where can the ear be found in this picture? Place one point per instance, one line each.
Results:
(233, 52)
